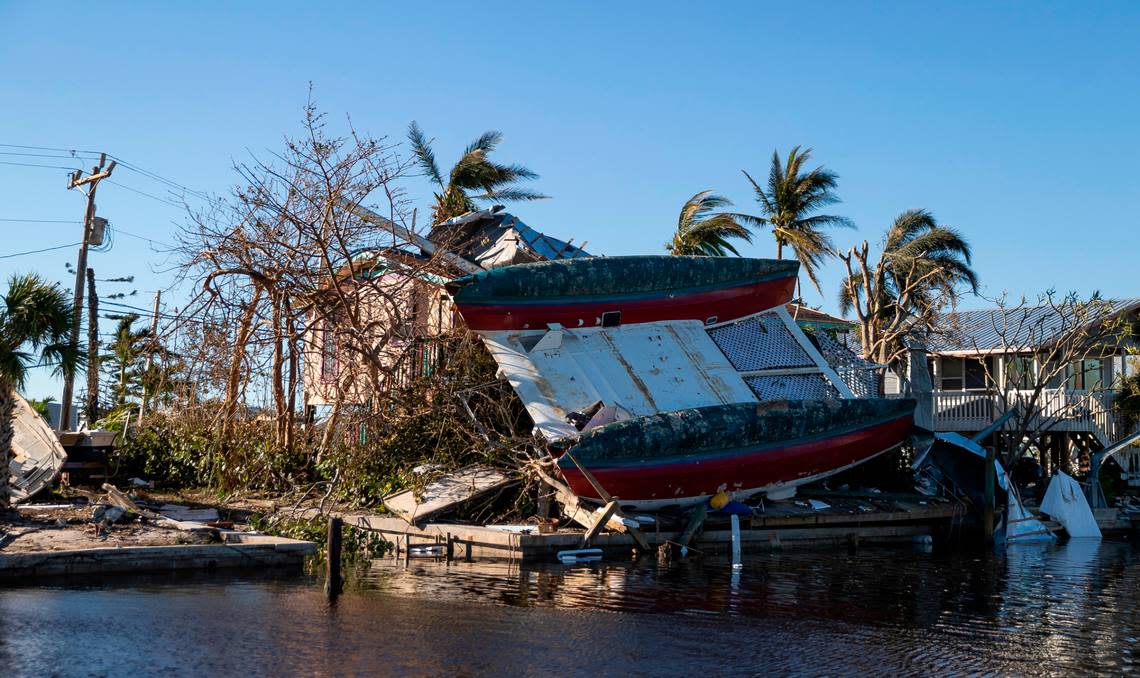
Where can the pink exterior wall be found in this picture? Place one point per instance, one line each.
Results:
(328, 361)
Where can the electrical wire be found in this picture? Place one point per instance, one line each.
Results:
(43, 155)
(29, 164)
(46, 249)
(142, 237)
(152, 197)
(46, 221)
(48, 148)
(159, 178)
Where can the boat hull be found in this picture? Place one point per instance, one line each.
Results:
(621, 290)
(681, 458)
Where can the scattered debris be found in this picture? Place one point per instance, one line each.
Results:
(37, 456)
(1065, 502)
(188, 513)
(579, 556)
(446, 492)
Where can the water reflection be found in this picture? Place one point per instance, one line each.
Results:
(1035, 609)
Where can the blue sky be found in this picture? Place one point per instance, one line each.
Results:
(1015, 123)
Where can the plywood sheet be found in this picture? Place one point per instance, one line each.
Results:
(446, 492)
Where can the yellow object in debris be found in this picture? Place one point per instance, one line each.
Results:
(718, 500)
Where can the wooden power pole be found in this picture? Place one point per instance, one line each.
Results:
(98, 173)
(92, 409)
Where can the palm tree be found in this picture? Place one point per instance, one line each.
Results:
(790, 203)
(473, 178)
(35, 315)
(124, 358)
(923, 267)
(702, 231)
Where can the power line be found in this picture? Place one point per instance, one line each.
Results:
(46, 221)
(28, 164)
(152, 197)
(48, 148)
(114, 227)
(162, 179)
(46, 249)
(140, 237)
(43, 155)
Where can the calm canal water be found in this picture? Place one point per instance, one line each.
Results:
(1059, 609)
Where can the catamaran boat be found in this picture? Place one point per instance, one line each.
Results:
(669, 379)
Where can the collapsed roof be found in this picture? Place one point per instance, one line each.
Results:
(493, 238)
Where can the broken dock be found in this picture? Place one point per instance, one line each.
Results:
(842, 521)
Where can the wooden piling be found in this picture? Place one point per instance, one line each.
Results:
(333, 581)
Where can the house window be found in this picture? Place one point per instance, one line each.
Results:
(976, 374)
(953, 374)
(1019, 372)
(1085, 375)
(328, 352)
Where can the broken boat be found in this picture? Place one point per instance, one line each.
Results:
(667, 379)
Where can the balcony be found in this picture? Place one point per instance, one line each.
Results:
(1059, 409)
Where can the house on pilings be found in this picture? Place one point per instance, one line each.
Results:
(1059, 365)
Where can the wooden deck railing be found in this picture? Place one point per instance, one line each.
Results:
(1056, 410)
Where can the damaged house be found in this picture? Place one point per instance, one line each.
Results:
(401, 306)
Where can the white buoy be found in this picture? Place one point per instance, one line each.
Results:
(736, 563)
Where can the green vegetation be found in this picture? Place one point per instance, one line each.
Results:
(703, 231)
(922, 269)
(35, 325)
(41, 407)
(474, 177)
(790, 206)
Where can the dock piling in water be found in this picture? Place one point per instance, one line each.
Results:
(333, 580)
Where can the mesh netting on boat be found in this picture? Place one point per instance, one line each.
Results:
(861, 376)
(761, 342)
(792, 387)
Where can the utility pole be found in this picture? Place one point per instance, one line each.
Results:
(92, 350)
(150, 355)
(98, 173)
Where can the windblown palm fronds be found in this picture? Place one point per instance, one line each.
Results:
(703, 231)
(473, 178)
(789, 205)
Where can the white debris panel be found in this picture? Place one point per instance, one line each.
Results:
(643, 368)
(1065, 502)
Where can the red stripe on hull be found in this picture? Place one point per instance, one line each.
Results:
(725, 304)
(741, 473)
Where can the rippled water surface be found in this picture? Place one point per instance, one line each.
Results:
(1063, 609)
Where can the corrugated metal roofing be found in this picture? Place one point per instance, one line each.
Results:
(994, 329)
(643, 368)
(544, 245)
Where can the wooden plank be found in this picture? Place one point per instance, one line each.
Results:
(187, 513)
(777, 515)
(446, 492)
(599, 522)
(573, 508)
(633, 531)
(695, 522)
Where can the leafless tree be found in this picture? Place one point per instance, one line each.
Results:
(1039, 343)
(287, 268)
